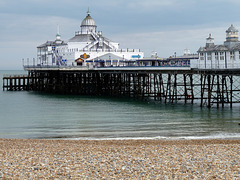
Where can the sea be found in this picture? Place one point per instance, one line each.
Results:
(34, 115)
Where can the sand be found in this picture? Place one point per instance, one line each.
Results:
(119, 159)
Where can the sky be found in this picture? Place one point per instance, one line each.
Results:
(164, 26)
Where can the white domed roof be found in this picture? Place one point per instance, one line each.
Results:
(232, 29)
(88, 21)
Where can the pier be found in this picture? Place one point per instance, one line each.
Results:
(209, 88)
(90, 64)
(16, 82)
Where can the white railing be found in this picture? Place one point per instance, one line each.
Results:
(109, 50)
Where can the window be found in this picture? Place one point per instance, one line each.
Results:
(232, 56)
(209, 56)
(221, 55)
(216, 56)
(201, 56)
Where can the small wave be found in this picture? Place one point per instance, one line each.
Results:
(214, 136)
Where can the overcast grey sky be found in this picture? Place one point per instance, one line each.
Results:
(164, 26)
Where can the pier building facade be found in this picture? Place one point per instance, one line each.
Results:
(185, 60)
(224, 56)
(87, 48)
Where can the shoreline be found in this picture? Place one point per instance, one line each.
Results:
(131, 159)
(135, 142)
(146, 138)
(142, 140)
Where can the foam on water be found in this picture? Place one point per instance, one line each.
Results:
(215, 136)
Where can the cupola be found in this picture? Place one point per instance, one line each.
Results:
(88, 25)
(210, 41)
(231, 34)
(58, 36)
(231, 37)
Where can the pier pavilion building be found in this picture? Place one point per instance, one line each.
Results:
(224, 56)
(185, 60)
(87, 48)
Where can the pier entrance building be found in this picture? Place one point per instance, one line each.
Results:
(88, 47)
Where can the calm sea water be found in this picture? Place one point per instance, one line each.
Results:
(36, 115)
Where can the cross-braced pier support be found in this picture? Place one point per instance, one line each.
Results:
(15, 83)
(218, 89)
(209, 89)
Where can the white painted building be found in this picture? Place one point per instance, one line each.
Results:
(226, 56)
(87, 47)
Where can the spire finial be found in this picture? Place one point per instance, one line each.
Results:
(58, 36)
(58, 31)
(88, 12)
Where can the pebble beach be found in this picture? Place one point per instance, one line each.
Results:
(119, 159)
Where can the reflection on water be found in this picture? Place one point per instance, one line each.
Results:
(35, 115)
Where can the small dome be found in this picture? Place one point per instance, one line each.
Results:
(231, 29)
(88, 21)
